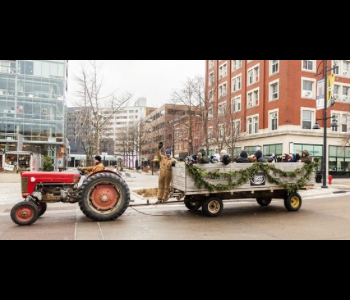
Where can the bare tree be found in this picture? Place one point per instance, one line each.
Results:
(97, 110)
(191, 96)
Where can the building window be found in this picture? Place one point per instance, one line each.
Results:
(210, 132)
(308, 89)
(253, 75)
(344, 124)
(237, 83)
(256, 125)
(236, 64)
(253, 125)
(210, 96)
(274, 67)
(236, 104)
(308, 118)
(274, 120)
(222, 90)
(309, 65)
(210, 113)
(223, 71)
(274, 90)
(345, 96)
(211, 64)
(253, 98)
(276, 149)
(222, 109)
(336, 117)
(211, 78)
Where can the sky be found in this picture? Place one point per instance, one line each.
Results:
(153, 79)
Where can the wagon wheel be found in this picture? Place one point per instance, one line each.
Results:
(212, 207)
(25, 213)
(192, 204)
(293, 202)
(264, 202)
(104, 197)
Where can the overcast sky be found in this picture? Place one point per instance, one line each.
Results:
(153, 79)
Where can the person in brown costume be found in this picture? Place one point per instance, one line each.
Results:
(165, 176)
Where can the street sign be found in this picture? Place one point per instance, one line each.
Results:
(104, 154)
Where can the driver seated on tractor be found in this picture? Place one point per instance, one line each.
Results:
(96, 168)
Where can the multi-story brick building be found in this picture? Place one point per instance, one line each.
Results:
(273, 103)
(177, 126)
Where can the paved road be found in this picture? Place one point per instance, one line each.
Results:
(321, 218)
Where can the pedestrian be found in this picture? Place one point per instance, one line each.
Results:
(165, 176)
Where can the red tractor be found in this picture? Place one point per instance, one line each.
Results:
(104, 196)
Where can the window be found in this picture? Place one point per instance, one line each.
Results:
(238, 127)
(222, 109)
(210, 96)
(308, 88)
(222, 90)
(274, 91)
(274, 120)
(309, 65)
(274, 67)
(211, 64)
(344, 125)
(210, 132)
(221, 130)
(343, 68)
(236, 104)
(253, 74)
(237, 83)
(223, 71)
(345, 96)
(308, 117)
(253, 98)
(336, 117)
(256, 125)
(253, 125)
(211, 78)
(210, 113)
(236, 64)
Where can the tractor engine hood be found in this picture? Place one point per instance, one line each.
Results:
(31, 179)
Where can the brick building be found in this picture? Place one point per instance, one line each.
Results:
(170, 124)
(273, 104)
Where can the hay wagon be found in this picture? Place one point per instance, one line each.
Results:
(207, 186)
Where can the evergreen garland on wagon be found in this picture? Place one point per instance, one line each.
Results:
(201, 176)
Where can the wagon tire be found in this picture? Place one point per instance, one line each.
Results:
(293, 202)
(212, 207)
(264, 202)
(193, 205)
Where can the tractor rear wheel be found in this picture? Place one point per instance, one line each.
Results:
(104, 197)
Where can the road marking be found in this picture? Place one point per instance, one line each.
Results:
(99, 225)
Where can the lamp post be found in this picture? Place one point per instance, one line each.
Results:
(325, 118)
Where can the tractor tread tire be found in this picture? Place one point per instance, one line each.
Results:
(92, 182)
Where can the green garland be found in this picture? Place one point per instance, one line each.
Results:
(245, 174)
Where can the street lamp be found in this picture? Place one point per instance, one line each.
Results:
(325, 118)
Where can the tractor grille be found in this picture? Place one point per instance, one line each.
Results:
(25, 184)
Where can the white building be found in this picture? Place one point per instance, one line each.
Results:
(124, 129)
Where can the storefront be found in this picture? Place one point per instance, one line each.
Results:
(18, 161)
(339, 161)
(315, 151)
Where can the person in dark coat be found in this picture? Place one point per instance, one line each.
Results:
(306, 157)
(202, 157)
(243, 158)
(259, 156)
